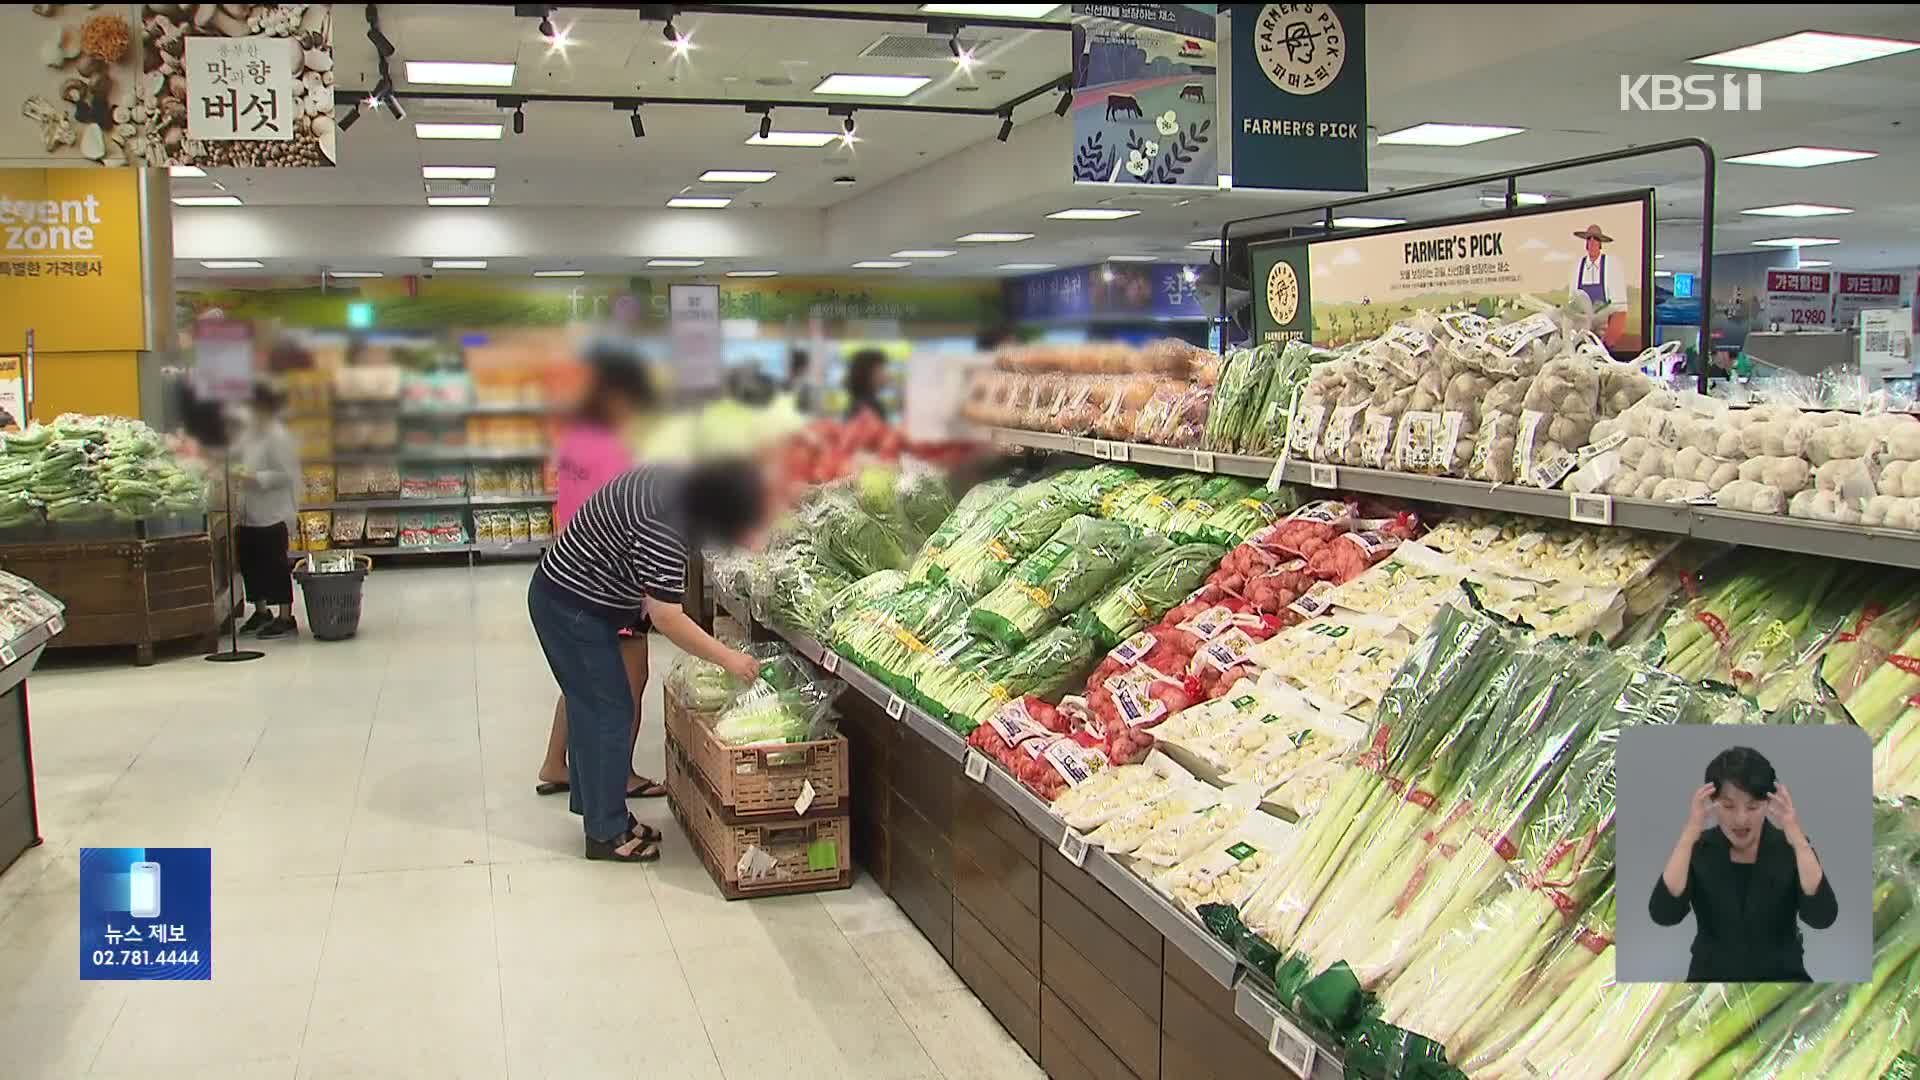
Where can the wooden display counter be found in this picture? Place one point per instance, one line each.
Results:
(132, 584)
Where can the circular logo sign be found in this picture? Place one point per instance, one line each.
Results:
(1301, 47)
(1283, 293)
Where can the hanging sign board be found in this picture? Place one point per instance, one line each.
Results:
(223, 359)
(70, 262)
(13, 392)
(694, 321)
(1886, 344)
(1857, 293)
(1799, 299)
(1145, 95)
(1300, 96)
(1352, 288)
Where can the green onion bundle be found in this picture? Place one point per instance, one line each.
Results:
(1060, 576)
(1149, 592)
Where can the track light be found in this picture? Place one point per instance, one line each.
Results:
(847, 137)
(546, 24)
(393, 103)
(639, 129)
(1066, 101)
(953, 44)
(848, 126)
(519, 120)
(381, 43)
(766, 125)
(350, 117)
(1006, 127)
(669, 32)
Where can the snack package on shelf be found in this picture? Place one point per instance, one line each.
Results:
(383, 527)
(349, 526)
(316, 484)
(316, 529)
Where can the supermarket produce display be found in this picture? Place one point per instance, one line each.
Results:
(1366, 742)
(82, 469)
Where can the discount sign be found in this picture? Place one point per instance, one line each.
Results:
(1799, 298)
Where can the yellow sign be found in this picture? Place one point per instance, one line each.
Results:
(70, 260)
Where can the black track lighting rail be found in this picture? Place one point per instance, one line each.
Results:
(629, 101)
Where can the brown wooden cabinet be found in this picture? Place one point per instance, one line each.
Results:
(138, 590)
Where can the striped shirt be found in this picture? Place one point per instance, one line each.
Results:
(624, 544)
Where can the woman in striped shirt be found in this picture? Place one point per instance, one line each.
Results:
(622, 560)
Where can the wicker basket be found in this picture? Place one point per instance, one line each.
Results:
(790, 844)
(760, 781)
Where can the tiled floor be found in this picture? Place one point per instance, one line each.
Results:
(392, 900)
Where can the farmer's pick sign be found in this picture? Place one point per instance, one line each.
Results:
(1300, 96)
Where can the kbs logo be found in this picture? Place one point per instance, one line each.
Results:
(1689, 93)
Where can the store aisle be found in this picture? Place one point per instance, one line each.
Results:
(392, 900)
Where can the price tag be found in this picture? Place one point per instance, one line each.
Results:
(56, 624)
(1325, 476)
(1073, 847)
(1294, 1049)
(1202, 461)
(976, 766)
(1590, 509)
(1120, 451)
(1099, 449)
(896, 705)
(805, 800)
(6, 654)
(830, 661)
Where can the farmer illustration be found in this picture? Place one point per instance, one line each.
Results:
(1602, 280)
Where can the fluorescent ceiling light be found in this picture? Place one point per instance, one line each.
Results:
(1130, 258)
(456, 131)
(925, 253)
(737, 176)
(559, 273)
(677, 263)
(1520, 198)
(1366, 222)
(459, 264)
(698, 202)
(459, 200)
(1004, 11)
(354, 273)
(753, 273)
(1797, 241)
(1802, 157)
(1663, 273)
(880, 264)
(1210, 243)
(206, 200)
(457, 172)
(844, 85)
(1447, 134)
(1808, 50)
(1092, 213)
(1798, 209)
(185, 172)
(794, 138)
(1813, 264)
(1028, 266)
(231, 264)
(459, 73)
(994, 237)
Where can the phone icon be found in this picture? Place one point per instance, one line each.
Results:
(143, 890)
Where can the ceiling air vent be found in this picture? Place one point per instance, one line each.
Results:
(923, 47)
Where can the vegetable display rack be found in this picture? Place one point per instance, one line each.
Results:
(752, 782)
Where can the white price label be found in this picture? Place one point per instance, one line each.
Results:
(1590, 509)
(976, 766)
(7, 655)
(1325, 476)
(1291, 1047)
(1202, 461)
(1073, 847)
(829, 661)
(805, 800)
(1096, 448)
(56, 624)
(1119, 451)
(895, 706)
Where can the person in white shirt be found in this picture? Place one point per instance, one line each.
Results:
(1603, 280)
(267, 466)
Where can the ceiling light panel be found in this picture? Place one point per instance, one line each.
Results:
(459, 264)
(206, 200)
(1447, 134)
(699, 202)
(1802, 157)
(1367, 222)
(1211, 243)
(994, 237)
(737, 176)
(231, 264)
(355, 273)
(678, 264)
(1796, 241)
(1813, 264)
(1798, 210)
(559, 273)
(1002, 11)
(457, 172)
(753, 273)
(807, 139)
(456, 131)
(1809, 50)
(1028, 266)
(1131, 258)
(458, 73)
(185, 172)
(925, 253)
(880, 264)
(841, 84)
(459, 200)
(1092, 213)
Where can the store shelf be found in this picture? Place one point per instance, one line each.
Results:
(509, 500)
(1860, 543)
(450, 502)
(522, 548)
(17, 657)
(507, 408)
(433, 549)
(1258, 1011)
(529, 453)
(426, 453)
(742, 613)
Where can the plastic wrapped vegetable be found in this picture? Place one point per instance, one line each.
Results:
(1047, 667)
(701, 686)
(1184, 523)
(1062, 575)
(975, 503)
(884, 637)
(1237, 519)
(926, 500)
(763, 716)
(981, 557)
(1157, 507)
(861, 542)
(863, 592)
(1143, 597)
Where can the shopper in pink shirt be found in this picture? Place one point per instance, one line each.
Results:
(593, 450)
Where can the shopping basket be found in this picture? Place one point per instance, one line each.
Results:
(333, 598)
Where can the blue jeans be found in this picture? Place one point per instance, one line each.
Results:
(582, 646)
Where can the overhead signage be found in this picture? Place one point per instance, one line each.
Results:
(1113, 292)
(694, 327)
(1799, 299)
(1145, 95)
(1300, 96)
(1859, 292)
(1353, 288)
(1886, 343)
(70, 259)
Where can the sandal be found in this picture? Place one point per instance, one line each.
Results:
(647, 789)
(645, 832)
(643, 851)
(552, 787)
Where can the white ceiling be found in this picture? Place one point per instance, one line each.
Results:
(578, 183)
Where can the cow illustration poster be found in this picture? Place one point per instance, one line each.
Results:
(1145, 94)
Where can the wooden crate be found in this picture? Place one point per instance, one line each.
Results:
(760, 781)
(129, 592)
(721, 844)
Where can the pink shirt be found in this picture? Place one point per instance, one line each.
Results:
(588, 457)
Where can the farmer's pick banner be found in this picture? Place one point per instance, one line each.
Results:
(1355, 287)
(1145, 94)
(1300, 96)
